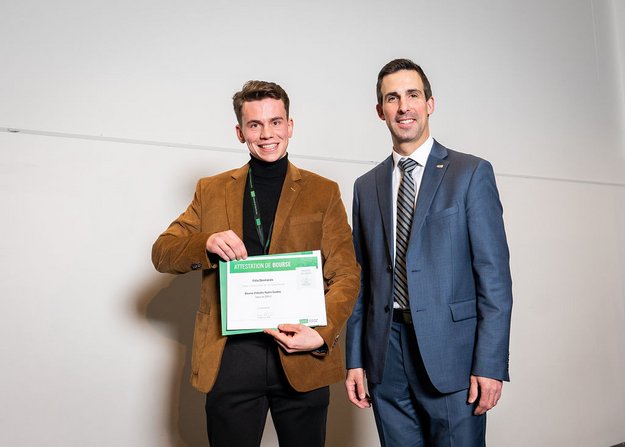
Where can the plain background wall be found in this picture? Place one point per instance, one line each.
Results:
(122, 105)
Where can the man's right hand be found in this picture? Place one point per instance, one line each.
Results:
(226, 245)
(355, 386)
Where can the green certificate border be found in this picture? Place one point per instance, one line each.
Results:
(223, 289)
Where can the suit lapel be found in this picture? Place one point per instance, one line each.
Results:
(235, 189)
(432, 176)
(384, 182)
(290, 192)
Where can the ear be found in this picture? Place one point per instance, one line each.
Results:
(239, 133)
(290, 127)
(378, 108)
(430, 105)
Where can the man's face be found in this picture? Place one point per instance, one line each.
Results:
(405, 110)
(265, 128)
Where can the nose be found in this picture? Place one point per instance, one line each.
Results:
(403, 104)
(266, 132)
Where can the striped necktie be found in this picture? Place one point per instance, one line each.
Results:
(405, 209)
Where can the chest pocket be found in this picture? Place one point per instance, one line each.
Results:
(315, 218)
(302, 232)
(442, 214)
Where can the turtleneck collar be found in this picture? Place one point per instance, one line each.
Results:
(271, 169)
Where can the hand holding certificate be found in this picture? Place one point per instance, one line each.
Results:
(265, 291)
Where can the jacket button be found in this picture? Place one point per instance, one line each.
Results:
(387, 308)
(197, 265)
(389, 268)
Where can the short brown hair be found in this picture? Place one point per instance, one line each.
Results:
(257, 90)
(402, 64)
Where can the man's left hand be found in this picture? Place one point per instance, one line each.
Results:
(488, 390)
(296, 337)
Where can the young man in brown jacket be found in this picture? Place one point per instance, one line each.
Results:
(288, 370)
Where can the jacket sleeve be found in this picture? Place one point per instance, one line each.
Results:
(490, 258)
(182, 247)
(340, 270)
(355, 325)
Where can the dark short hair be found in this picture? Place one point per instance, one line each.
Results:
(257, 90)
(402, 64)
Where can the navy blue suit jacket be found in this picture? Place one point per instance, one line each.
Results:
(458, 271)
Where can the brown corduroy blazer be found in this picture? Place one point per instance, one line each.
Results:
(310, 216)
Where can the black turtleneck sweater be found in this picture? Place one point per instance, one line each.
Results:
(268, 178)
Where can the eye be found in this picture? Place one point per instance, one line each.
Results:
(390, 99)
(277, 122)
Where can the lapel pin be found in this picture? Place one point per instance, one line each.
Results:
(440, 166)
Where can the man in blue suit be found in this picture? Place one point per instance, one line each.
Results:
(431, 327)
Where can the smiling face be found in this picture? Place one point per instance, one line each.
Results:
(265, 128)
(405, 110)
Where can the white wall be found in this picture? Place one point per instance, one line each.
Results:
(121, 106)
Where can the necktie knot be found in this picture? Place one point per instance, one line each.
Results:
(407, 165)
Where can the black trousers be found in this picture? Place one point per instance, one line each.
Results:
(250, 383)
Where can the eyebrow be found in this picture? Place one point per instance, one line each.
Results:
(409, 91)
(270, 119)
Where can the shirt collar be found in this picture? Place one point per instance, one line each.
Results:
(420, 155)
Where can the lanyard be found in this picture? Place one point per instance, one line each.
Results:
(257, 221)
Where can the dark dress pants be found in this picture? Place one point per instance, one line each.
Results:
(410, 412)
(250, 383)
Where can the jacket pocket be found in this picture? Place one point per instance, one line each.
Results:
(463, 310)
(442, 213)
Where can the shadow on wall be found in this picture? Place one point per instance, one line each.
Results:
(172, 311)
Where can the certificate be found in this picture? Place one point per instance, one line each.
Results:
(265, 291)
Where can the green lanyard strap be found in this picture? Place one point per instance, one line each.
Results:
(257, 221)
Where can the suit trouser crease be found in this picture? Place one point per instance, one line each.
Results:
(409, 411)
